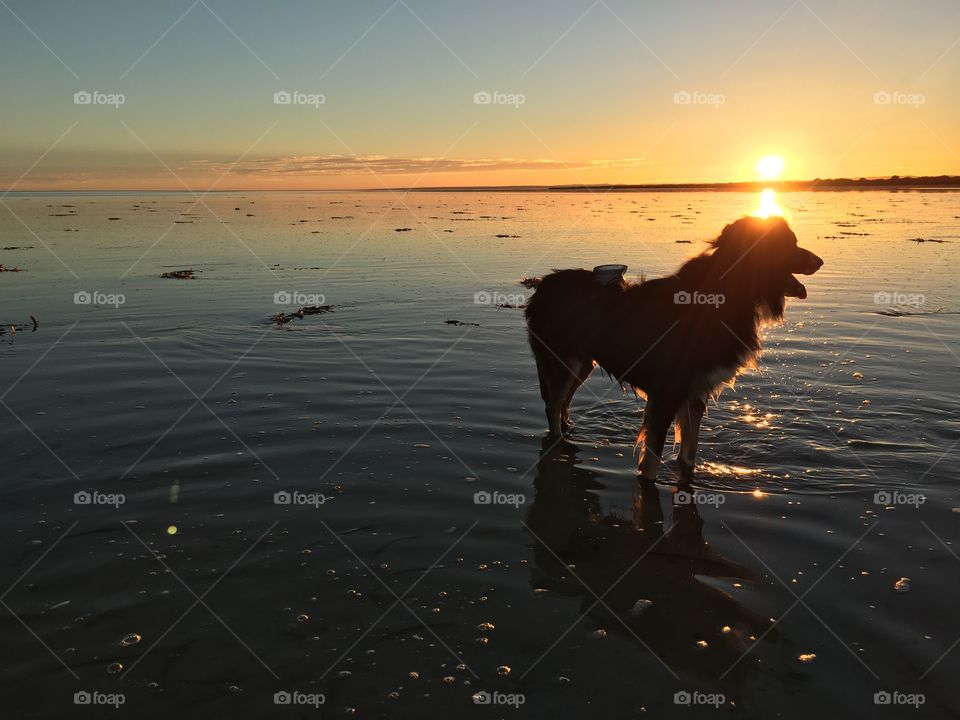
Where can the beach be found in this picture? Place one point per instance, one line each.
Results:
(361, 504)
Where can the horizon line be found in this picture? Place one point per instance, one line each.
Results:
(934, 182)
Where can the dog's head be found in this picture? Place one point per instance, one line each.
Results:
(759, 257)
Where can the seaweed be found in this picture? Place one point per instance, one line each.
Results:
(14, 328)
(284, 318)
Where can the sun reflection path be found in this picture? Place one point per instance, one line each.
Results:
(768, 205)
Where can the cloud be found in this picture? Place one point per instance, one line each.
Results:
(326, 165)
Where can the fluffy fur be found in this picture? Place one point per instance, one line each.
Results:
(645, 335)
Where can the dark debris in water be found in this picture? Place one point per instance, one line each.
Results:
(530, 282)
(179, 275)
(460, 322)
(14, 328)
(893, 312)
(928, 240)
(284, 318)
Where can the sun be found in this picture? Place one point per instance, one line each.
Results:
(770, 166)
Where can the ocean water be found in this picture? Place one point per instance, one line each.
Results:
(150, 423)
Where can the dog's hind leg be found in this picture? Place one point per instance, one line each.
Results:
(544, 379)
(653, 435)
(688, 420)
(553, 376)
(559, 379)
(547, 392)
(581, 371)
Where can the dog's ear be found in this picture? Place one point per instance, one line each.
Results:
(735, 239)
(740, 235)
(734, 242)
(727, 239)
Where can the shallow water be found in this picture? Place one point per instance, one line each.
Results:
(188, 401)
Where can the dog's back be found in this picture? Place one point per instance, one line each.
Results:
(565, 311)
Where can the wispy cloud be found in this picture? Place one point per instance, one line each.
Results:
(314, 165)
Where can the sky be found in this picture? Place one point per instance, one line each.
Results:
(179, 94)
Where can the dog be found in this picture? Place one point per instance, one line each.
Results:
(675, 340)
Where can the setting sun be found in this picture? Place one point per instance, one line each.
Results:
(770, 166)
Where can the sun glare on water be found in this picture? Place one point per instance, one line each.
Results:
(768, 205)
(769, 167)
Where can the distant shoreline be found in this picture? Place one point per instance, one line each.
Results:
(895, 182)
(927, 183)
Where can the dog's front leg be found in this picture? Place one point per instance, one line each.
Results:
(653, 435)
(688, 423)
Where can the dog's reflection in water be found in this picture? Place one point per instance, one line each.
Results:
(646, 558)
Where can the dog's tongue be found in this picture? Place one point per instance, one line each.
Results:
(795, 288)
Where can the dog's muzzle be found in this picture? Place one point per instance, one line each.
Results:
(805, 262)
